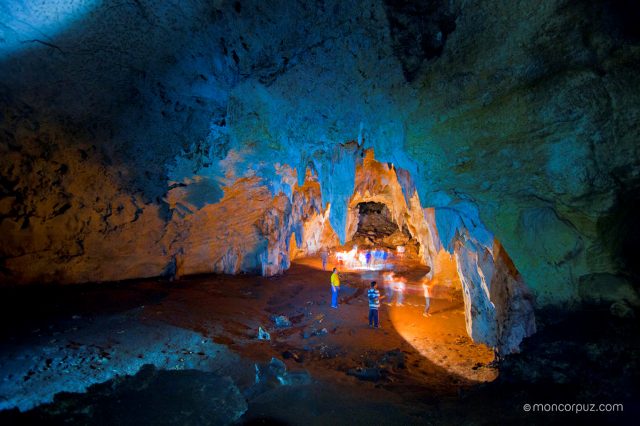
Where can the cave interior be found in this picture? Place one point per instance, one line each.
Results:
(179, 178)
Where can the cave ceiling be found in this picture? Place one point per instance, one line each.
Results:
(520, 115)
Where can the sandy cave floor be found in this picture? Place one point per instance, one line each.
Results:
(200, 334)
(92, 334)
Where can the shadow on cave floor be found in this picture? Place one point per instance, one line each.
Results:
(24, 309)
(336, 369)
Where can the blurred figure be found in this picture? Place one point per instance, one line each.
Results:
(399, 287)
(352, 256)
(373, 258)
(335, 288)
(324, 255)
(384, 257)
(362, 258)
(394, 286)
(387, 279)
(427, 299)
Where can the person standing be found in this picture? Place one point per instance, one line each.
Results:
(374, 304)
(335, 288)
(427, 299)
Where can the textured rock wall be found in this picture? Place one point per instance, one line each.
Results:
(249, 230)
(64, 215)
(527, 111)
(499, 308)
(513, 301)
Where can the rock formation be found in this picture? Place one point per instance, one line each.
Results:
(140, 138)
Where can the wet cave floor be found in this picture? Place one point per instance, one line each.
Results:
(200, 333)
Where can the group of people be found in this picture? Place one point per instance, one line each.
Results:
(358, 259)
(396, 287)
(393, 286)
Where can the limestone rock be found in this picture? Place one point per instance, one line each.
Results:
(499, 306)
(528, 111)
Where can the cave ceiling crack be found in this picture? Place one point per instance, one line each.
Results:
(45, 43)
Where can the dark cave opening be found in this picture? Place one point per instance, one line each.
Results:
(620, 232)
(375, 220)
(377, 228)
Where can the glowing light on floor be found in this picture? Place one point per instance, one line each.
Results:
(439, 339)
(363, 260)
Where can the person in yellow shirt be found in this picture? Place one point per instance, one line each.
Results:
(335, 288)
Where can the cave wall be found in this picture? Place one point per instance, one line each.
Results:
(526, 111)
(523, 115)
(499, 308)
(499, 305)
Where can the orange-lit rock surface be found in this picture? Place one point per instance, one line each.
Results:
(313, 230)
(498, 305)
(70, 220)
(233, 235)
(249, 229)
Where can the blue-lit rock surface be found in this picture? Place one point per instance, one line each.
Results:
(73, 355)
(142, 139)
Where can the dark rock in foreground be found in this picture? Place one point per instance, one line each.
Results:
(152, 396)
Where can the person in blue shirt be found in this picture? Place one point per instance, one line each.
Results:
(374, 304)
